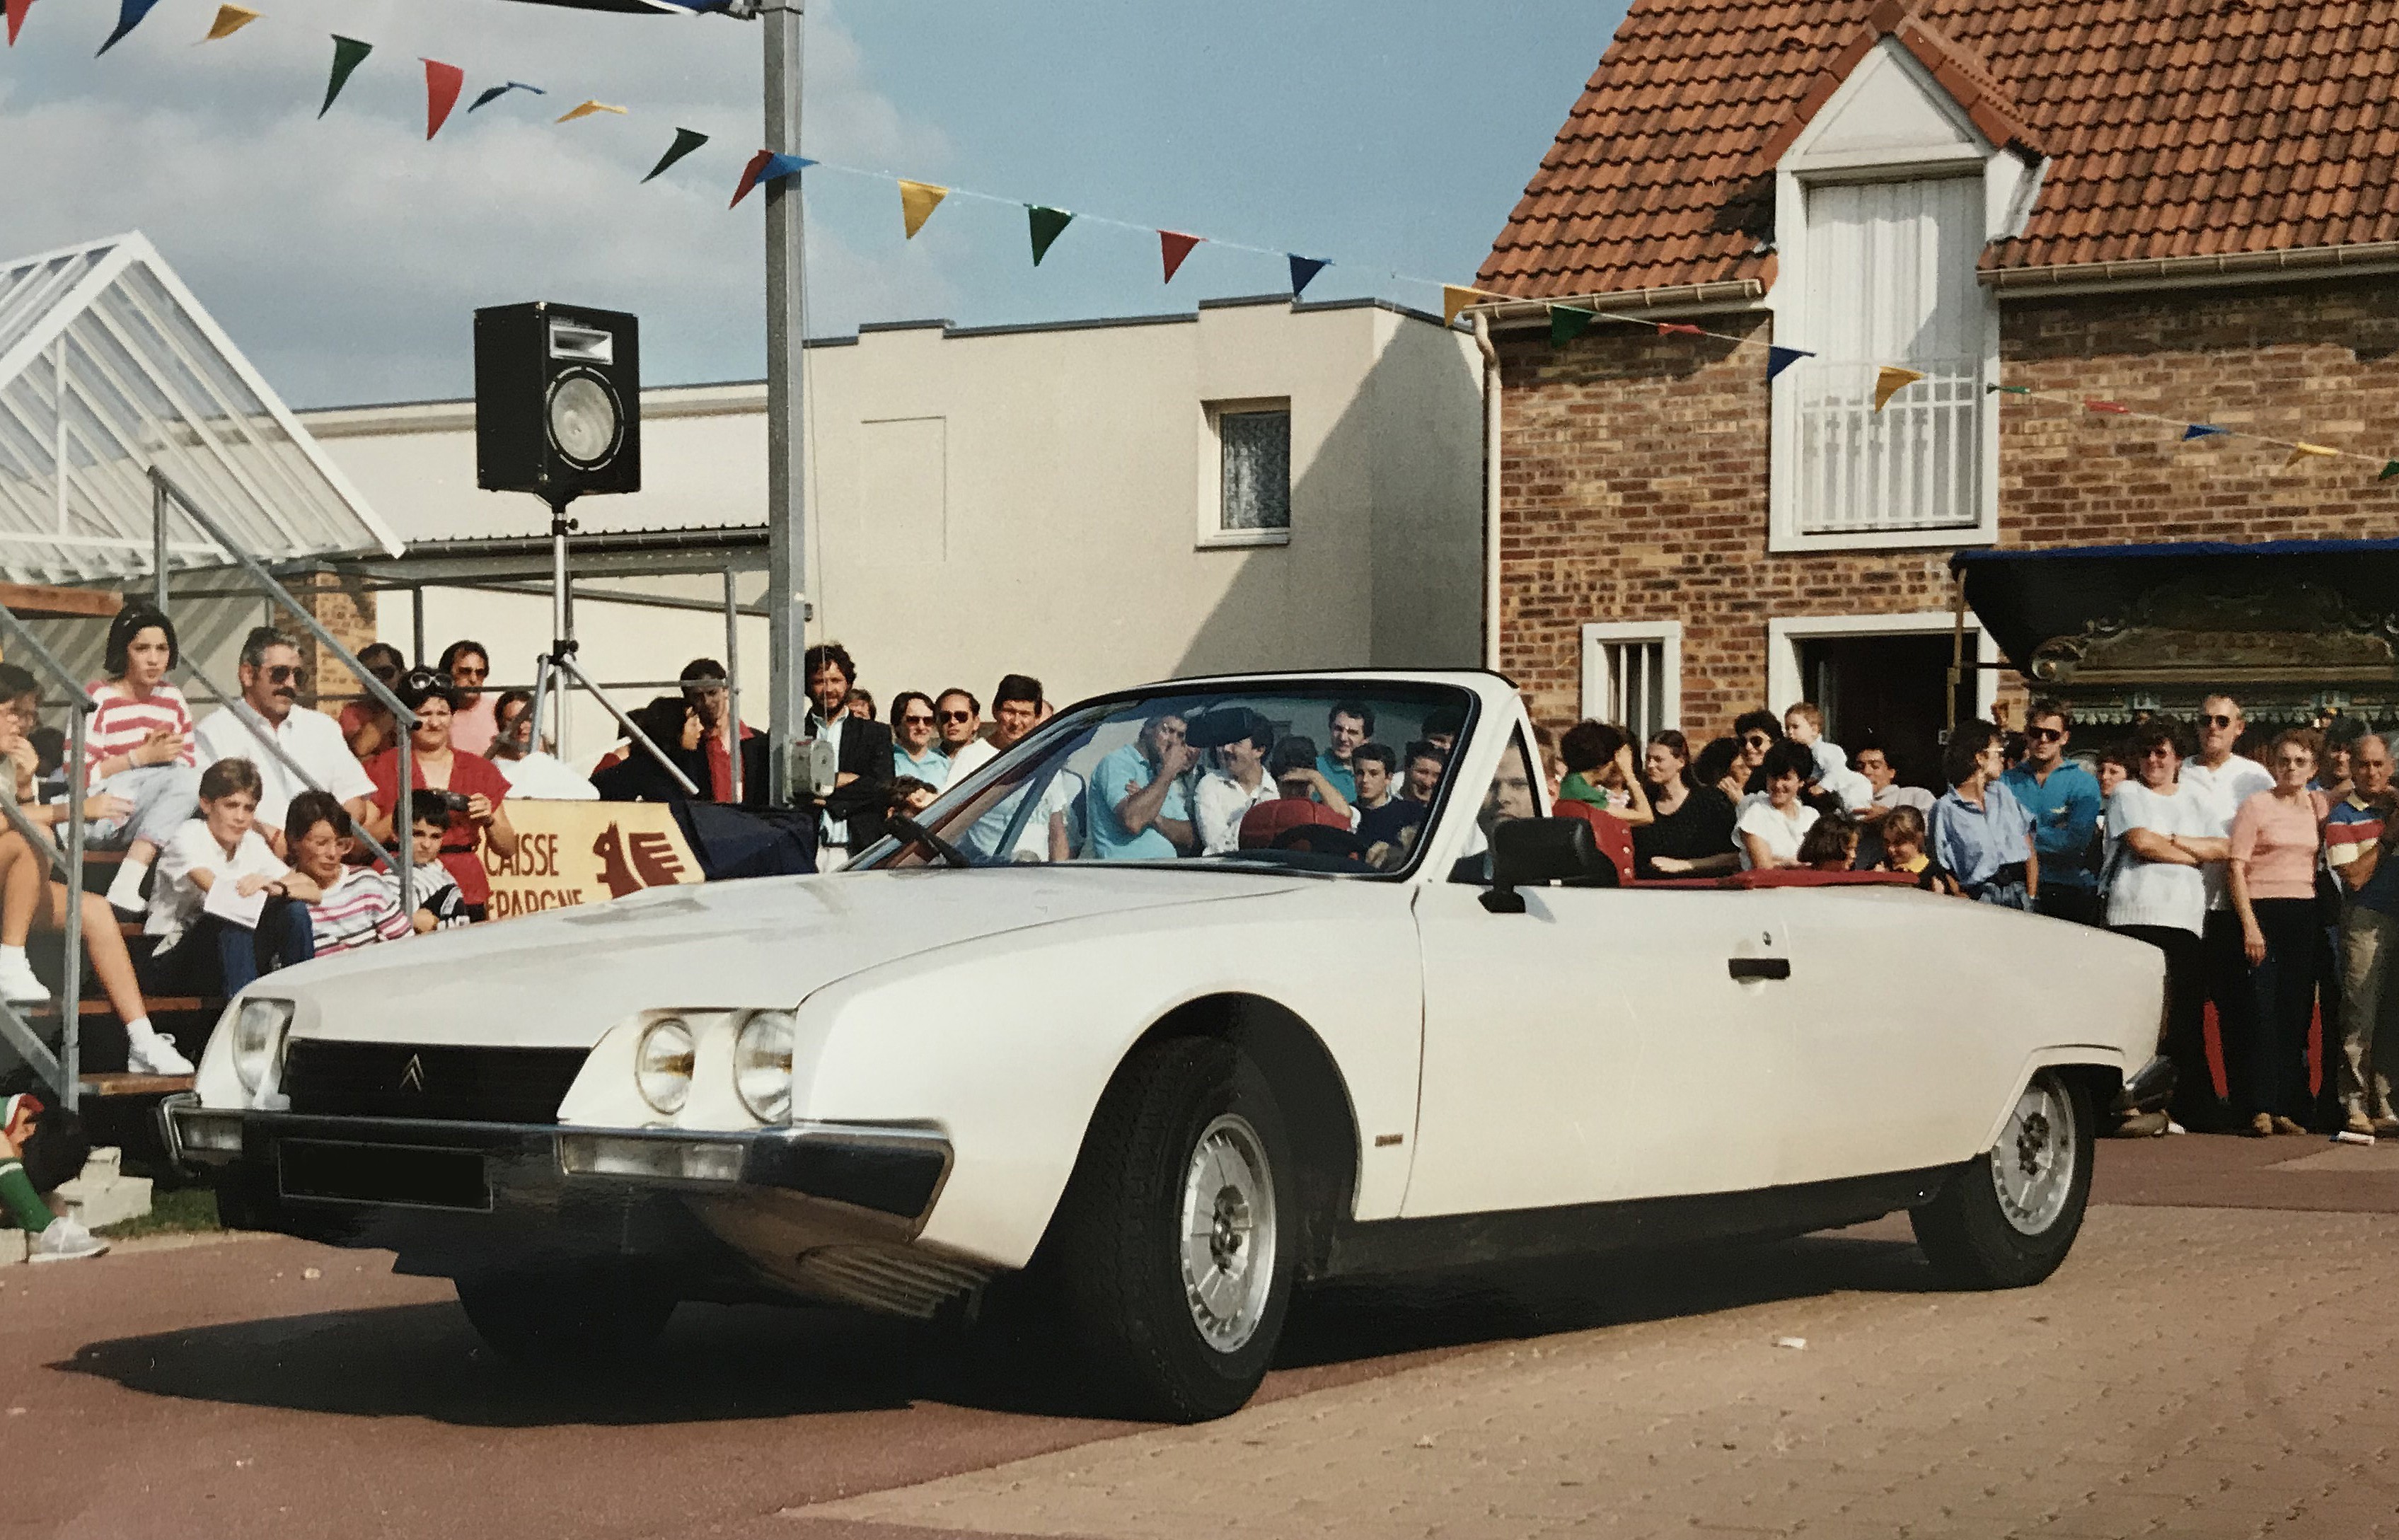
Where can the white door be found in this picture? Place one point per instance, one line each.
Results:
(1596, 1046)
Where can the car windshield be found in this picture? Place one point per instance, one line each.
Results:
(1339, 777)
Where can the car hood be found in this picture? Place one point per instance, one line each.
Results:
(561, 979)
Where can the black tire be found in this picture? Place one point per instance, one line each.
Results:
(1117, 1254)
(566, 1318)
(1975, 1240)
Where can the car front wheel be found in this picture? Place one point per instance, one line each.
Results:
(2007, 1218)
(1172, 1250)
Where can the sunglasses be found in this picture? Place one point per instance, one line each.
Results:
(2218, 721)
(958, 716)
(2047, 735)
(287, 674)
(1758, 740)
(914, 720)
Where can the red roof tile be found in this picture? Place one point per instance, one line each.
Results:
(2172, 127)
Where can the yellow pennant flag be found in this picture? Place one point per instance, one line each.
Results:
(1890, 380)
(230, 20)
(2301, 452)
(918, 201)
(584, 109)
(1455, 298)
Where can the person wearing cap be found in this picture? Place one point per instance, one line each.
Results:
(56, 1238)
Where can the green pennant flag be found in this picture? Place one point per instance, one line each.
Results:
(2007, 390)
(686, 141)
(1566, 323)
(348, 54)
(1046, 225)
(2390, 469)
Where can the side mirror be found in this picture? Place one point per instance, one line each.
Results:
(1529, 852)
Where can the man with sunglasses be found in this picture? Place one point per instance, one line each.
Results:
(2223, 780)
(267, 719)
(958, 716)
(2064, 803)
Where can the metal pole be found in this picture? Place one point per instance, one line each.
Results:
(787, 607)
(733, 685)
(71, 987)
(158, 544)
(416, 622)
(574, 672)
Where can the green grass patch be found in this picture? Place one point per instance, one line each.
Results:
(179, 1211)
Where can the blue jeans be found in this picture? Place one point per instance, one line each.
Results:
(216, 959)
(165, 797)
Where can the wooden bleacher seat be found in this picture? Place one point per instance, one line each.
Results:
(136, 1085)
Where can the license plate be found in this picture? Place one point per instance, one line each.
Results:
(408, 1175)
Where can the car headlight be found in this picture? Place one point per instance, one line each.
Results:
(662, 1064)
(258, 1031)
(761, 1065)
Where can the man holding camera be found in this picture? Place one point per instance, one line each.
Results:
(850, 810)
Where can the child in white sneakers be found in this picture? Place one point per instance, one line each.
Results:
(56, 1238)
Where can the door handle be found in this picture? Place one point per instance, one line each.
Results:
(1746, 969)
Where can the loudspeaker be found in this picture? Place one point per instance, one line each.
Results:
(558, 400)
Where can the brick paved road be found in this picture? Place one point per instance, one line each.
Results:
(2193, 1371)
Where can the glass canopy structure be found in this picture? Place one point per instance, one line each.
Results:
(109, 369)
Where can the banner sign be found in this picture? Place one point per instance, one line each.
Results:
(571, 852)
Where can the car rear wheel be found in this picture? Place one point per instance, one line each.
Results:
(2007, 1218)
(566, 1318)
(1173, 1253)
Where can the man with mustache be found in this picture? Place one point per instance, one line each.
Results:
(265, 720)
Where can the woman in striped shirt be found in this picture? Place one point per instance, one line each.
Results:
(139, 747)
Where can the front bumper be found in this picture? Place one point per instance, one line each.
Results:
(890, 1178)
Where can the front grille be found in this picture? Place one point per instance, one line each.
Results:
(453, 1084)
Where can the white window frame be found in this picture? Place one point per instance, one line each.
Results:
(1786, 681)
(1211, 534)
(1797, 171)
(1596, 682)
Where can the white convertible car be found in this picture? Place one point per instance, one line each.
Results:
(1043, 1034)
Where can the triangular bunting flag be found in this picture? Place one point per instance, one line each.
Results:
(129, 15)
(2202, 430)
(230, 20)
(764, 167)
(1172, 247)
(1456, 297)
(1566, 323)
(492, 93)
(2390, 469)
(348, 54)
(2301, 452)
(586, 108)
(2113, 407)
(443, 84)
(1779, 358)
(748, 176)
(686, 141)
(1890, 380)
(17, 9)
(1304, 271)
(1678, 329)
(2007, 390)
(918, 201)
(1047, 225)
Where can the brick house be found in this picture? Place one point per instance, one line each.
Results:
(2187, 208)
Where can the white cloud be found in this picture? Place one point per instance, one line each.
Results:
(344, 254)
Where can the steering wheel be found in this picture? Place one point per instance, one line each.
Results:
(1322, 837)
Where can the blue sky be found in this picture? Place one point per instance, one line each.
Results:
(344, 254)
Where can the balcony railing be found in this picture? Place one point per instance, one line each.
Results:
(1915, 465)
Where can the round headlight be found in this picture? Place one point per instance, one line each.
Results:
(662, 1064)
(258, 1031)
(584, 423)
(761, 1065)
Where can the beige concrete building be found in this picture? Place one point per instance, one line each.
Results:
(1259, 485)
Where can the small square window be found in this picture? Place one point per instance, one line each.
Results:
(1254, 453)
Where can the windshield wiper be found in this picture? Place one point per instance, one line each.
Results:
(916, 833)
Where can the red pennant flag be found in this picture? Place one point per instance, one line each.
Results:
(750, 176)
(1678, 329)
(2115, 407)
(1172, 248)
(443, 84)
(17, 9)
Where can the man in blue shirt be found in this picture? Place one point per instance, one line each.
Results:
(1137, 809)
(1980, 833)
(1347, 727)
(2063, 800)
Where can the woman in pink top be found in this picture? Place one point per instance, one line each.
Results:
(2275, 836)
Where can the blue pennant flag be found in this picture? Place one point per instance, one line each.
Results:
(2202, 430)
(780, 166)
(1304, 270)
(1779, 358)
(129, 15)
(498, 91)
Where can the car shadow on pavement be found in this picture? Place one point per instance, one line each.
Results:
(716, 1363)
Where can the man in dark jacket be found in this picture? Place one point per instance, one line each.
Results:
(851, 810)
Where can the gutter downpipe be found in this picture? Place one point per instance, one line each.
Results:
(1491, 384)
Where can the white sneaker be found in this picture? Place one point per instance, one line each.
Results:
(17, 985)
(155, 1055)
(65, 1241)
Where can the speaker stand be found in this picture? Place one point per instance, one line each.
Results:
(556, 671)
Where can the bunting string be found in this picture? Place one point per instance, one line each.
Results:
(1046, 223)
